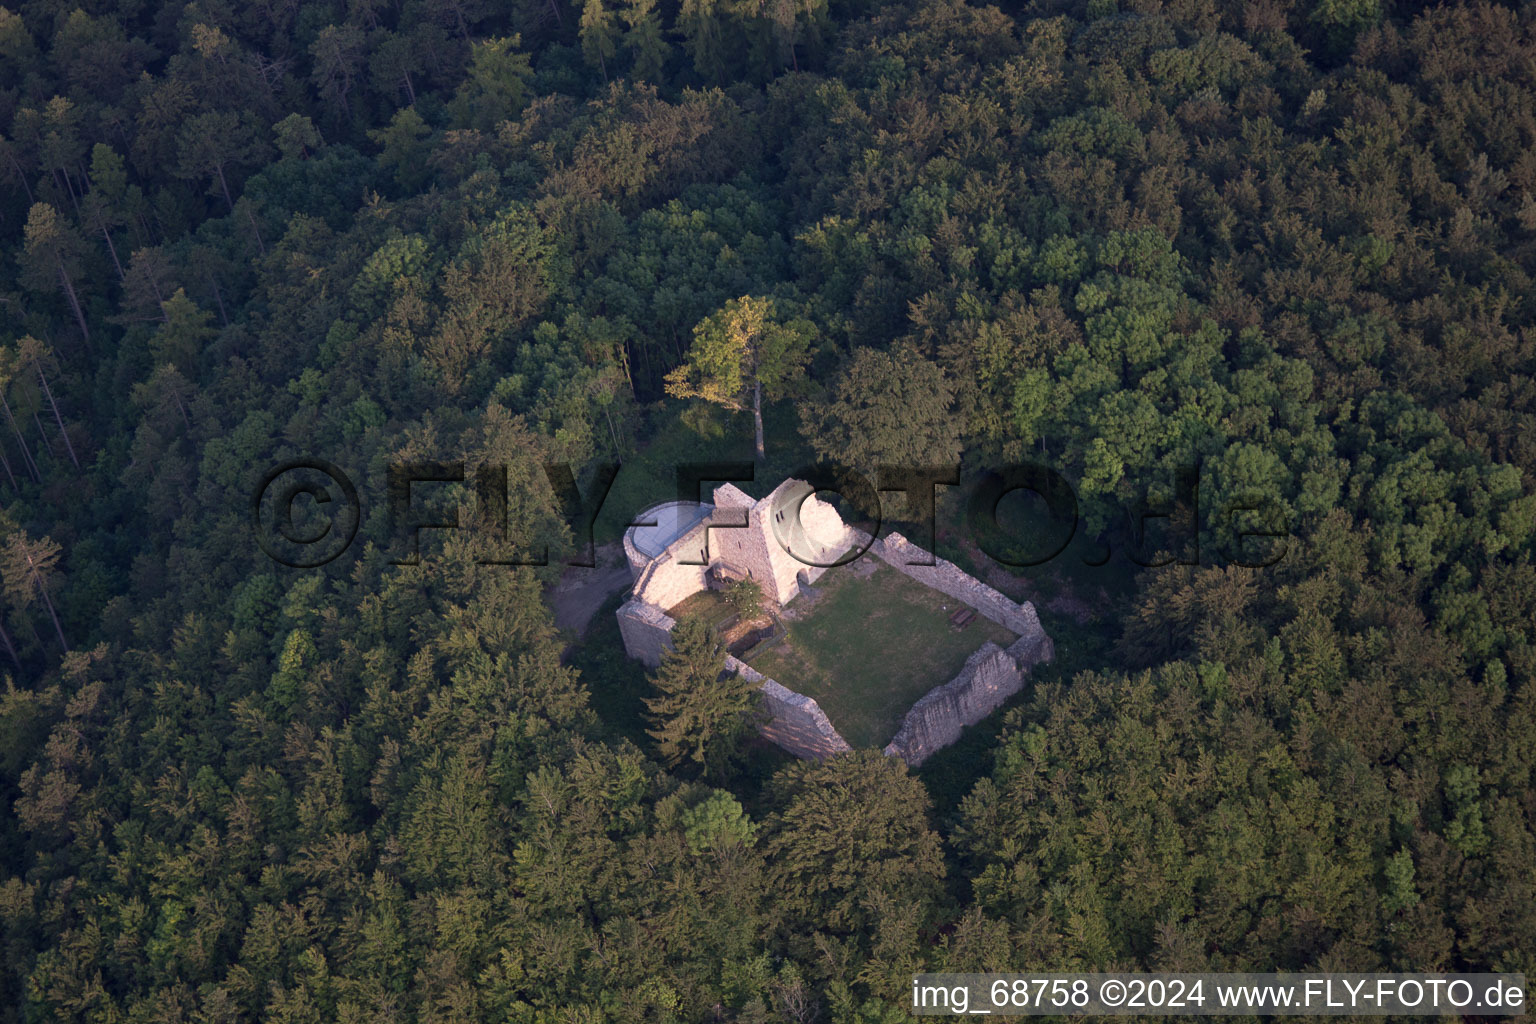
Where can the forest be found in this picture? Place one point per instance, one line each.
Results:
(1288, 241)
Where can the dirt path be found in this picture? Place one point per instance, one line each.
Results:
(581, 592)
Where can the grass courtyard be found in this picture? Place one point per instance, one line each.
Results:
(871, 646)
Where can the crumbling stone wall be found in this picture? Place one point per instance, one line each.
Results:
(759, 546)
(1031, 649)
(948, 578)
(646, 629)
(989, 678)
(796, 722)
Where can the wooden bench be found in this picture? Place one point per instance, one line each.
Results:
(962, 618)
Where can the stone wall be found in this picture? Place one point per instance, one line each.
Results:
(796, 722)
(948, 578)
(638, 562)
(667, 581)
(737, 540)
(646, 629)
(989, 678)
(1028, 651)
(762, 546)
(741, 532)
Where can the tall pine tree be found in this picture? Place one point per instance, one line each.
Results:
(698, 714)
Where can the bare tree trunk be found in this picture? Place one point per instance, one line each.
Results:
(113, 250)
(614, 434)
(56, 417)
(757, 415)
(10, 648)
(225, 186)
(74, 197)
(21, 177)
(26, 453)
(48, 603)
(74, 302)
(60, 173)
(255, 230)
(42, 591)
(7, 464)
(218, 298)
(159, 298)
(410, 90)
(624, 356)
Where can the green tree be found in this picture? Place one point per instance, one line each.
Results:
(52, 257)
(698, 22)
(403, 147)
(11, 367)
(180, 339)
(847, 830)
(717, 822)
(493, 90)
(599, 35)
(891, 407)
(1343, 19)
(40, 358)
(103, 206)
(644, 39)
(212, 144)
(740, 355)
(397, 58)
(296, 136)
(698, 714)
(502, 277)
(27, 567)
(1400, 894)
(17, 50)
(337, 54)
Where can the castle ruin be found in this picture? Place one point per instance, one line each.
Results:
(785, 542)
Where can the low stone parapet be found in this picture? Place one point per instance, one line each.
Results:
(1028, 651)
(670, 579)
(989, 678)
(795, 721)
(948, 578)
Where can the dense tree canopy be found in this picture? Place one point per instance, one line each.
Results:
(1290, 243)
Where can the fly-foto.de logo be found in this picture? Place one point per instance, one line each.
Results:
(305, 513)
